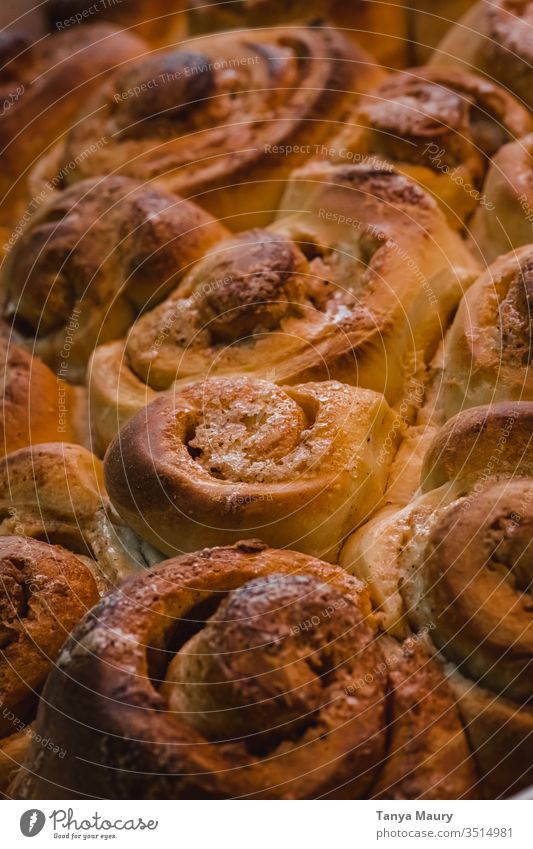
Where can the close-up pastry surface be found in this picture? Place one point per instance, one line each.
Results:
(266, 461)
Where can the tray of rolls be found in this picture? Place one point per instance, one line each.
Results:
(266, 475)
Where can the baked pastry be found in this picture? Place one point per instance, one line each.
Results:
(440, 126)
(55, 492)
(44, 591)
(505, 220)
(222, 120)
(477, 446)
(459, 557)
(34, 405)
(488, 349)
(41, 88)
(158, 21)
(429, 23)
(92, 258)
(354, 281)
(380, 28)
(302, 465)
(235, 672)
(495, 39)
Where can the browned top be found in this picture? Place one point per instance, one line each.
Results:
(477, 577)
(241, 672)
(46, 83)
(93, 257)
(483, 442)
(44, 592)
(442, 118)
(29, 412)
(201, 118)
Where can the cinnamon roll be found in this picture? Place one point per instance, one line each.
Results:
(92, 259)
(440, 126)
(354, 281)
(44, 592)
(489, 348)
(476, 448)
(495, 39)
(300, 465)
(41, 88)
(55, 492)
(505, 220)
(157, 21)
(223, 119)
(35, 405)
(460, 557)
(474, 578)
(245, 672)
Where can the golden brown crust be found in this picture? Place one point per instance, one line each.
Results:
(495, 39)
(505, 220)
(309, 642)
(223, 120)
(44, 591)
(475, 585)
(489, 347)
(35, 407)
(55, 492)
(92, 258)
(490, 441)
(438, 126)
(44, 84)
(301, 465)
(354, 282)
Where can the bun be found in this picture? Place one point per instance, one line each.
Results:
(44, 592)
(300, 465)
(91, 259)
(458, 557)
(439, 126)
(505, 220)
(495, 39)
(35, 406)
(474, 583)
(222, 121)
(488, 351)
(44, 83)
(55, 492)
(353, 281)
(283, 721)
